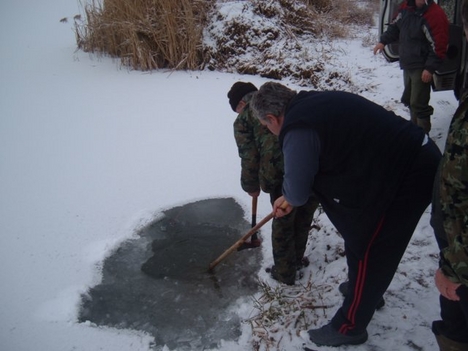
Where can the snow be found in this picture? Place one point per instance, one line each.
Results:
(91, 152)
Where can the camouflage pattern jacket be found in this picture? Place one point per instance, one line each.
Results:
(454, 197)
(261, 156)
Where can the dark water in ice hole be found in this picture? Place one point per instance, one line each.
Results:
(158, 283)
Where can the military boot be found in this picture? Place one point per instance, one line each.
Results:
(288, 280)
(446, 344)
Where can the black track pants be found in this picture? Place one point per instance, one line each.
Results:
(371, 270)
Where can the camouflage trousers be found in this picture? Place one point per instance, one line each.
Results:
(289, 238)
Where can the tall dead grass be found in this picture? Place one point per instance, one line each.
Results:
(333, 18)
(145, 34)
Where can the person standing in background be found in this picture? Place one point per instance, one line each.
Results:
(422, 31)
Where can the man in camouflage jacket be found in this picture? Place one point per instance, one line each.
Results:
(262, 169)
(450, 222)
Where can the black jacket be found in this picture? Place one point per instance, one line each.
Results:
(365, 152)
(422, 36)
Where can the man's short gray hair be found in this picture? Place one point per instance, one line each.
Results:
(272, 98)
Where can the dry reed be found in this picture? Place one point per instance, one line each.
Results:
(145, 34)
(283, 311)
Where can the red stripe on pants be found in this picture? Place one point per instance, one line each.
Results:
(360, 280)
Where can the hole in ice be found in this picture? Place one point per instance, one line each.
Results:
(159, 282)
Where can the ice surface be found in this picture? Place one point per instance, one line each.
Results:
(159, 281)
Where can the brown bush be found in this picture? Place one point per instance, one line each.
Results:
(333, 18)
(145, 34)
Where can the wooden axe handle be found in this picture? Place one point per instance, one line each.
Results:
(240, 241)
(254, 210)
(244, 238)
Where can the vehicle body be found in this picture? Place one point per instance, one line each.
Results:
(452, 74)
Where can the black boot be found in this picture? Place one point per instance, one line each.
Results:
(446, 344)
(328, 336)
(276, 276)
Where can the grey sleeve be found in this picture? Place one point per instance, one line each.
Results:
(301, 150)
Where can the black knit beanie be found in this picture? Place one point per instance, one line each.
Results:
(238, 91)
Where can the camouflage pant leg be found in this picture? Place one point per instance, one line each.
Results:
(289, 238)
(284, 253)
(302, 223)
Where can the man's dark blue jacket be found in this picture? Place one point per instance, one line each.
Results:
(354, 153)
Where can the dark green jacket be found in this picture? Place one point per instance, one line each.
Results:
(261, 157)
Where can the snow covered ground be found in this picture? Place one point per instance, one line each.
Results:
(90, 153)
